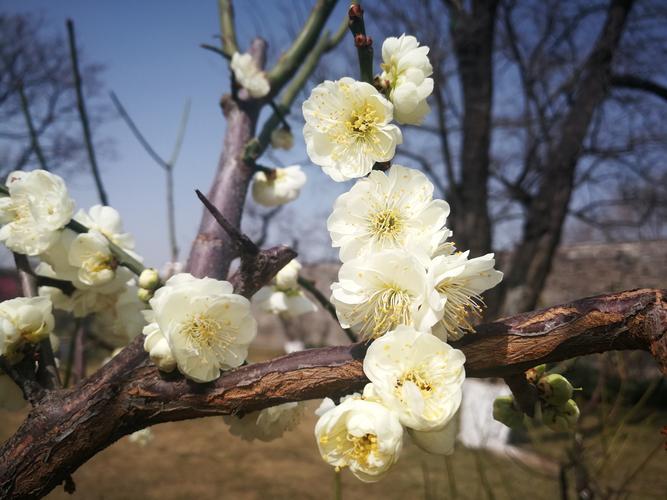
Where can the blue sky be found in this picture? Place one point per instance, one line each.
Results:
(150, 50)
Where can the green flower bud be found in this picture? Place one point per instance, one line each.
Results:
(536, 373)
(144, 294)
(563, 418)
(555, 389)
(506, 413)
(149, 279)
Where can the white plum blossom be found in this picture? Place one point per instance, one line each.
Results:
(119, 324)
(288, 276)
(106, 221)
(406, 70)
(377, 292)
(267, 424)
(85, 299)
(249, 76)
(141, 437)
(420, 378)
(385, 211)
(11, 397)
(91, 255)
(456, 284)
(24, 320)
(286, 303)
(348, 128)
(206, 326)
(362, 435)
(284, 296)
(37, 208)
(277, 187)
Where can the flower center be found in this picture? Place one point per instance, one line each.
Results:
(417, 377)
(204, 332)
(361, 447)
(99, 262)
(361, 122)
(386, 224)
(385, 309)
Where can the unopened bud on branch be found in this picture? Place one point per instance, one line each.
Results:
(144, 294)
(149, 279)
(555, 389)
(506, 413)
(563, 418)
(533, 375)
(355, 12)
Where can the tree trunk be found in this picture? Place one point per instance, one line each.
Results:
(211, 254)
(542, 229)
(473, 35)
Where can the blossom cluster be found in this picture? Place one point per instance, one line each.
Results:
(35, 217)
(403, 285)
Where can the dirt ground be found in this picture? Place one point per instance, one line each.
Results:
(200, 459)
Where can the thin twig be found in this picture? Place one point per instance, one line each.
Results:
(325, 303)
(242, 242)
(34, 139)
(280, 114)
(363, 43)
(216, 50)
(226, 11)
(166, 165)
(293, 57)
(137, 133)
(85, 123)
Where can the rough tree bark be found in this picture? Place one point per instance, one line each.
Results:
(68, 427)
(209, 253)
(473, 36)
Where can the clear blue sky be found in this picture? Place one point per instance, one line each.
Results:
(150, 50)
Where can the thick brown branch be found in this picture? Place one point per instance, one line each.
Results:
(69, 426)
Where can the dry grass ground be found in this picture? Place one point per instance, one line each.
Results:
(200, 459)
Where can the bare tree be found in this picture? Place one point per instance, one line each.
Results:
(38, 105)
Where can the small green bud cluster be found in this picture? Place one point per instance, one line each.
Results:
(507, 413)
(149, 281)
(557, 409)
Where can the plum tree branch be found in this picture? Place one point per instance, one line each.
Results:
(68, 427)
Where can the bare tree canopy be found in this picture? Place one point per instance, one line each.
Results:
(576, 144)
(39, 125)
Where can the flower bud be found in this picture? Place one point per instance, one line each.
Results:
(282, 138)
(149, 279)
(506, 413)
(533, 375)
(555, 389)
(144, 294)
(563, 418)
